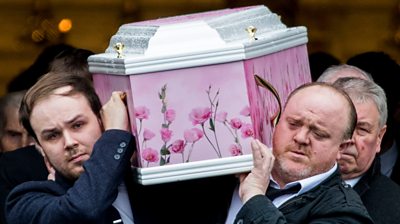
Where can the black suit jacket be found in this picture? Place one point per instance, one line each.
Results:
(396, 169)
(380, 195)
(16, 167)
(331, 201)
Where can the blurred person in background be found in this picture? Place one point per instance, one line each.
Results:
(20, 161)
(12, 133)
(333, 73)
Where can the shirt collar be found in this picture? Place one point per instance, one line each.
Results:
(353, 182)
(308, 183)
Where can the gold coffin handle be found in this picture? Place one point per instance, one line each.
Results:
(265, 84)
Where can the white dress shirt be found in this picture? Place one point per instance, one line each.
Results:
(354, 181)
(123, 205)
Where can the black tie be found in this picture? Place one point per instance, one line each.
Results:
(273, 193)
(113, 216)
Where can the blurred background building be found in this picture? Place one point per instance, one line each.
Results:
(342, 28)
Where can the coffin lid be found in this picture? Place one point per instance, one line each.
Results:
(198, 39)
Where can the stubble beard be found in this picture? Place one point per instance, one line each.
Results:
(288, 170)
(287, 173)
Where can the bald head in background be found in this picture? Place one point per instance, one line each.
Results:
(333, 73)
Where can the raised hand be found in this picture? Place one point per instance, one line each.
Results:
(256, 182)
(114, 114)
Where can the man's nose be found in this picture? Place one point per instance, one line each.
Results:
(70, 141)
(302, 136)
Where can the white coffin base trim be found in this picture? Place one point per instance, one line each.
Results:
(193, 170)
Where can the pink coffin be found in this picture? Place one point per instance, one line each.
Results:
(193, 99)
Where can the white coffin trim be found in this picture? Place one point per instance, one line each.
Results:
(108, 63)
(193, 170)
(194, 40)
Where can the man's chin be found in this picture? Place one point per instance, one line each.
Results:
(293, 170)
(345, 170)
(344, 166)
(75, 173)
(348, 175)
(295, 162)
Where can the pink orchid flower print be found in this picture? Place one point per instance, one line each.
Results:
(235, 123)
(141, 113)
(178, 146)
(150, 155)
(221, 116)
(234, 126)
(235, 150)
(192, 136)
(247, 131)
(166, 134)
(170, 115)
(148, 135)
(202, 133)
(200, 115)
(245, 111)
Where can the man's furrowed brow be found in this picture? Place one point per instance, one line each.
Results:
(48, 131)
(73, 119)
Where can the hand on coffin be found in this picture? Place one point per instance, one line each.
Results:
(256, 182)
(114, 114)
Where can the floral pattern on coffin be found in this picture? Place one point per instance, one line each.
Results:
(203, 124)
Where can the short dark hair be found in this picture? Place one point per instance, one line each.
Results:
(46, 86)
(9, 100)
(73, 61)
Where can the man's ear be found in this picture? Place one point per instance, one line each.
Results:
(100, 123)
(50, 169)
(342, 146)
(381, 133)
(345, 144)
(39, 148)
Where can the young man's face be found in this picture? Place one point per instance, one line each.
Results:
(66, 128)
